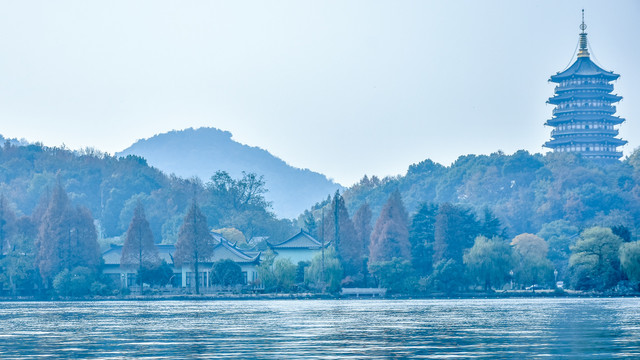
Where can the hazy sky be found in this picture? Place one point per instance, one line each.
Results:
(345, 88)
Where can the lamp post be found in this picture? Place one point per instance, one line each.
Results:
(511, 273)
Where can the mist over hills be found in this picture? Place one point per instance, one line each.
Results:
(201, 152)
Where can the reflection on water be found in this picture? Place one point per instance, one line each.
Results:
(478, 328)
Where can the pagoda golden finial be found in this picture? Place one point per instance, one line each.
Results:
(584, 52)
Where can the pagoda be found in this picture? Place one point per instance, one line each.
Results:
(583, 119)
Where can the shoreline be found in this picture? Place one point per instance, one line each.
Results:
(308, 296)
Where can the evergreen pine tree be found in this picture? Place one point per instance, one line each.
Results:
(455, 230)
(490, 225)
(422, 237)
(310, 223)
(362, 225)
(340, 232)
(7, 225)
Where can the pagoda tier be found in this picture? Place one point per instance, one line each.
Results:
(583, 119)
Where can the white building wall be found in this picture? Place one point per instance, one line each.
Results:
(296, 255)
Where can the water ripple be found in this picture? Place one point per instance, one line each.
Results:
(319, 329)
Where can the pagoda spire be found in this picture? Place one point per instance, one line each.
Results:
(583, 52)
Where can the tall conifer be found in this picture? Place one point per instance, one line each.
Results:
(139, 249)
(195, 243)
(390, 237)
(67, 237)
(340, 232)
(362, 225)
(421, 237)
(7, 224)
(455, 230)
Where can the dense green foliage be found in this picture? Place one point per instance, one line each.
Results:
(277, 275)
(532, 266)
(226, 273)
(396, 275)
(524, 191)
(630, 260)
(595, 259)
(489, 261)
(111, 187)
(325, 274)
(484, 223)
(581, 210)
(57, 206)
(155, 274)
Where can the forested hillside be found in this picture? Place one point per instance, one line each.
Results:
(524, 191)
(110, 187)
(202, 152)
(488, 222)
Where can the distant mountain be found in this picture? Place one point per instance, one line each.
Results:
(202, 152)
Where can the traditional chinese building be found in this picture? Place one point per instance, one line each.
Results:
(184, 275)
(300, 247)
(583, 119)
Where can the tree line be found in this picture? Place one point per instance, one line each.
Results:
(450, 248)
(55, 252)
(536, 218)
(111, 187)
(524, 191)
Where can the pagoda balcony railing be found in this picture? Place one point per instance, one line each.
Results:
(617, 154)
(587, 132)
(606, 87)
(593, 153)
(578, 109)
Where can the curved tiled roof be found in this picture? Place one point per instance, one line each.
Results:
(583, 67)
(301, 240)
(222, 250)
(114, 253)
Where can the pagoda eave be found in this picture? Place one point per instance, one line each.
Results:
(585, 140)
(610, 120)
(561, 77)
(555, 100)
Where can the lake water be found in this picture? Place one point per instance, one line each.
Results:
(339, 329)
